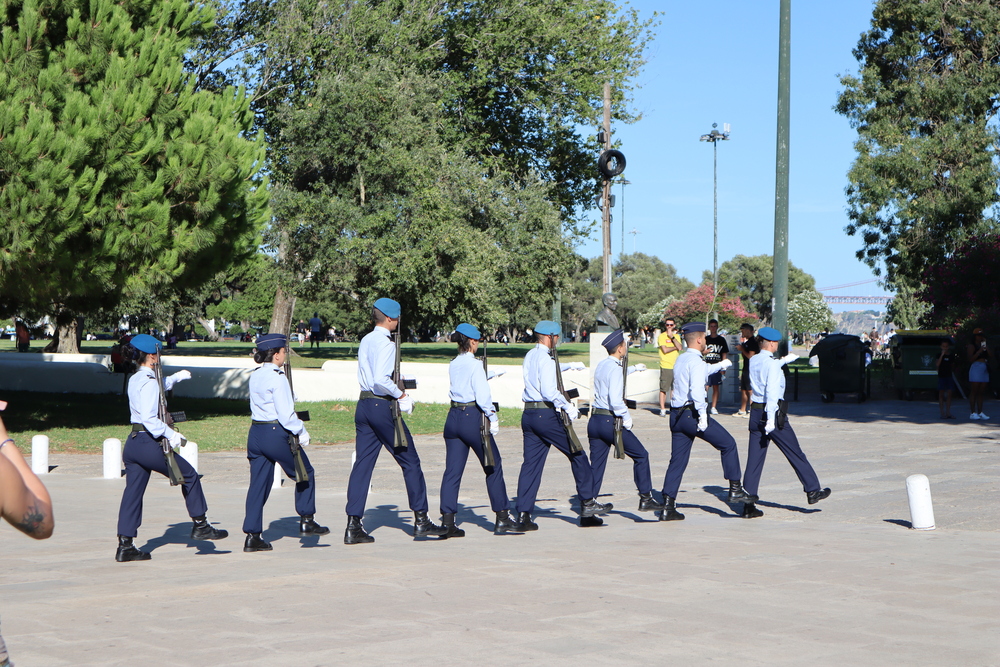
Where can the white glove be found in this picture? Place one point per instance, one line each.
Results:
(703, 422)
(627, 422)
(495, 374)
(176, 440)
(494, 427)
(573, 413)
(769, 427)
(578, 366)
(788, 358)
(724, 364)
(179, 376)
(304, 438)
(636, 368)
(406, 404)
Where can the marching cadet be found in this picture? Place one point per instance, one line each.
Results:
(143, 454)
(541, 426)
(609, 403)
(689, 419)
(272, 410)
(768, 423)
(375, 428)
(471, 402)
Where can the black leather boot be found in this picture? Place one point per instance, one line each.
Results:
(506, 524)
(128, 551)
(255, 542)
(524, 522)
(355, 533)
(203, 530)
(737, 494)
(308, 526)
(647, 503)
(591, 507)
(591, 521)
(669, 512)
(815, 496)
(750, 511)
(448, 523)
(424, 527)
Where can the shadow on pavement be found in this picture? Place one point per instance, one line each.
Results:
(389, 516)
(899, 522)
(180, 533)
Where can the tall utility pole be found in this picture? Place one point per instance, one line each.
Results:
(779, 319)
(715, 137)
(606, 194)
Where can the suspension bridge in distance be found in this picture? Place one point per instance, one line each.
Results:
(868, 300)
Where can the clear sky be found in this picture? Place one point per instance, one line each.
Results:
(717, 63)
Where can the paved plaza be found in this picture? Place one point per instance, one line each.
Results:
(843, 582)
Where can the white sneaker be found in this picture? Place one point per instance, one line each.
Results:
(974, 415)
(713, 411)
(983, 416)
(663, 413)
(739, 413)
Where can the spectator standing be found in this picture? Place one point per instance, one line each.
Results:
(979, 373)
(716, 350)
(747, 347)
(300, 331)
(21, 336)
(669, 343)
(315, 327)
(945, 366)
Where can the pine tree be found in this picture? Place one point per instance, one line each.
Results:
(116, 173)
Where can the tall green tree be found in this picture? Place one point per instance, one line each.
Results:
(641, 281)
(924, 104)
(751, 279)
(116, 174)
(808, 313)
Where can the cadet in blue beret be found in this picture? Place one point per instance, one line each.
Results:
(608, 405)
(689, 419)
(542, 427)
(375, 428)
(471, 402)
(274, 420)
(768, 423)
(143, 452)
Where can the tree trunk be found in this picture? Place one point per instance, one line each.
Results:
(69, 329)
(209, 325)
(284, 311)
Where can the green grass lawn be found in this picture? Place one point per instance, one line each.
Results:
(81, 422)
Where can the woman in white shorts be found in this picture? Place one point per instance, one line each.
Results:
(979, 373)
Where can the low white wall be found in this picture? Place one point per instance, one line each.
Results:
(225, 377)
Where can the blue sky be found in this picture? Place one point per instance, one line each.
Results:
(717, 63)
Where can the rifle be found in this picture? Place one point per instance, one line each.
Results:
(397, 377)
(301, 475)
(574, 441)
(168, 418)
(629, 404)
(484, 425)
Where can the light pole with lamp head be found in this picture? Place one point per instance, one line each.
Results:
(715, 137)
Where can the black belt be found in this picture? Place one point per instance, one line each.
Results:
(602, 411)
(456, 404)
(758, 405)
(368, 394)
(138, 428)
(539, 405)
(273, 421)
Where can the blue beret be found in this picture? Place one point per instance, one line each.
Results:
(468, 330)
(548, 328)
(271, 341)
(145, 343)
(769, 333)
(388, 307)
(693, 327)
(613, 340)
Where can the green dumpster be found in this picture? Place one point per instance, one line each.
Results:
(914, 355)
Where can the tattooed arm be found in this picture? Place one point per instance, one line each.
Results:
(24, 500)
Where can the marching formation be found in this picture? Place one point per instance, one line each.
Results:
(278, 434)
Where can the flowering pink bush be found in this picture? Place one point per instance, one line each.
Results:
(696, 306)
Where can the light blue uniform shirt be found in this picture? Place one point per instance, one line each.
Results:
(144, 402)
(609, 386)
(468, 383)
(690, 377)
(271, 398)
(376, 361)
(540, 378)
(767, 382)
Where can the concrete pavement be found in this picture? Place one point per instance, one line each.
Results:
(841, 582)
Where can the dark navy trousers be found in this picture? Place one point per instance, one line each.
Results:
(143, 455)
(601, 431)
(267, 444)
(786, 441)
(542, 428)
(684, 429)
(373, 430)
(461, 433)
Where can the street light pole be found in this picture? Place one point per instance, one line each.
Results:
(715, 137)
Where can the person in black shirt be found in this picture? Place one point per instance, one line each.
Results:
(747, 349)
(946, 384)
(716, 349)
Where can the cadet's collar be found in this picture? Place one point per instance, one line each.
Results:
(696, 351)
(616, 359)
(467, 354)
(544, 347)
(383, 331)
(271, 364)
(767, 353)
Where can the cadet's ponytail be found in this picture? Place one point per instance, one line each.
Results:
(264, 356)
(464, 342)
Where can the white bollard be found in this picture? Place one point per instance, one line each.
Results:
(278, 474)
(112, 458)
(189, 453)
(918, 492)
(40, 454)
(354, 459)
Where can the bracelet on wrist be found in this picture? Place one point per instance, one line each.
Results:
(4, 443)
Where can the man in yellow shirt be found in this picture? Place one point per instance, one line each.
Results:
(669, 343)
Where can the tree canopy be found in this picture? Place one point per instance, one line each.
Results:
(751, 279)
(924, 104)
(808, 313)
